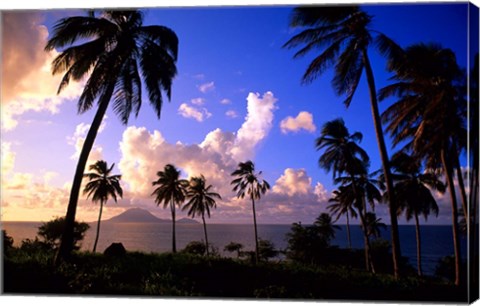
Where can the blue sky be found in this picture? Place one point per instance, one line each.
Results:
(226, 55)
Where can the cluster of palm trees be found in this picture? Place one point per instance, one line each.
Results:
(428, 120)
(171, 191)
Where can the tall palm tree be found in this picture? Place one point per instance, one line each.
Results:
(115, 51)
(344, 36)
(248, 183)
(359, 190)
(171, 191)
(342, 206)
(200, 200)
(373, 225)
(413, 193)
(100, 187)
(429, 115)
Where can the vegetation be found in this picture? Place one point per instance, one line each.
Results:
(171, 192)
(184, 275)
(115, 51)
(248, 183)
(200, 200)
(51, 232)
(343, 34)
(102, 185)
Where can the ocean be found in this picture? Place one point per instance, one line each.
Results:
(156, 237)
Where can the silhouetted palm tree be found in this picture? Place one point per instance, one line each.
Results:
(200, 200)
(100, 187)
(249, 183)
(341, 152)
(342, 206)
(413, 193)
(325, 228)
(171, 191)
(373, 225)
(429, 115)
(344, 36)
(360, 190)
(115, 51)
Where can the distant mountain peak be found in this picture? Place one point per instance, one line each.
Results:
(136, 215)
(140, 215)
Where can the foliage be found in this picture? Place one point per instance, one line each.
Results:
(195, 248)
(266, 250)
(183, 275)
(51, 232)
(234, 247)
(6, 240)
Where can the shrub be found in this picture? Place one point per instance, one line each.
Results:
(52, 232)
(195, 248)
(7, 241)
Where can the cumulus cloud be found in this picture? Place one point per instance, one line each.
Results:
(198, 101)
(24, 63)
(303, 121)
(257, 125)
(231, 114)
(8, 159)
(188, 111)
(225, 101)
(293, 182)
(204, 88)
(78, 138)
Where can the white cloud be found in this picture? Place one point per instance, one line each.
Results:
(198, 101)
(293, 182)
(204, 88)
(303, 121)
(257, 125)
(225, 101)
(231, 114)
(24, 63)
(188, 111)
(78, 139)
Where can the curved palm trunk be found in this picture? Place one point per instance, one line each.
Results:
(98, 227)
(461, 186)
(348, 233)
(255, 227)
(174, 243)
(205, 232)
(66, 244)
(419, 245)
(396, 253)
(453, 199)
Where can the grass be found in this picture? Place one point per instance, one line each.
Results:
(174, 275)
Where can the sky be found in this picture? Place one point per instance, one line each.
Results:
(237, 97)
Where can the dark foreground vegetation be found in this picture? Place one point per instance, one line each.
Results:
(183, 274)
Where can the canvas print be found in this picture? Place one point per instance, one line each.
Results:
(320, 152)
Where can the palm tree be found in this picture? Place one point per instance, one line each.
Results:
(325, 228)
(200, 200)
(341, 206)
(115, 51)
(341, 153)
(171, 191)
(249, 183)
(344, 36)
(373, 225)
(100, 187)
(413, 193)
(429, 115)
(360, 190)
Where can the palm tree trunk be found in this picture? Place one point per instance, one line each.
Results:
(453, 199)
(205, 231)
(98, 227)
(255, 228)
(366, 240)
(396, 253)
(461, 186)
(174, 243)
(419, 245)
(66, 244)
(348, 233)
